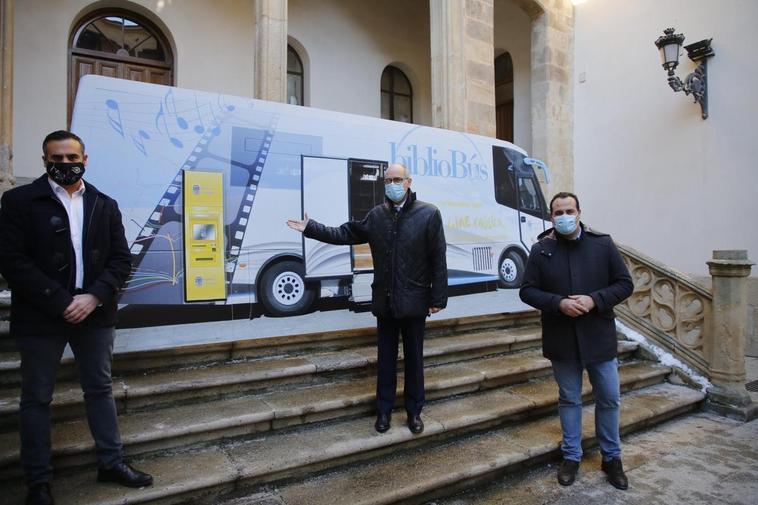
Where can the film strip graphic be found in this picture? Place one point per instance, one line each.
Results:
(164, 211)
(238, 226)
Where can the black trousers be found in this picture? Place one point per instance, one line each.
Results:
(40, 358)
(389, 330)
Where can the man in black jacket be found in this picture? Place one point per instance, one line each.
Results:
(575, 276)
(65, 257)
(408, 246)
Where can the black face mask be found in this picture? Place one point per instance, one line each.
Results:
(65, 174)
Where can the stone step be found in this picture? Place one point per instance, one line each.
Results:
(423, 475)
(410, 472)
(179, 426)
(139, 362)
(138, 392)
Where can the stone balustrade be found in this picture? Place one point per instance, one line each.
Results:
(706, 329)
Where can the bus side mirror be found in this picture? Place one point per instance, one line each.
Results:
(540, 169)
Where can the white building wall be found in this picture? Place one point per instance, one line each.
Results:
(648, 169)
(349, 43)
(513, 35)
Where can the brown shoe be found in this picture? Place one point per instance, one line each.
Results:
(615, 472)
(567, 472)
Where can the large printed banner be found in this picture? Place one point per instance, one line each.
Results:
(206, 182)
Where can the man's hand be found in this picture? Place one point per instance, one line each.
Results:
(81, 307)
(434, 310)
(572, 307)
(297, 224)
(587, 302)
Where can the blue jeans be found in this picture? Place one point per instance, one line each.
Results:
(40, 357)
(604, 378)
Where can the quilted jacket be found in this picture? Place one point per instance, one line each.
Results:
(408, 249)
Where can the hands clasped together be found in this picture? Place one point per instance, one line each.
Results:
(576, 305)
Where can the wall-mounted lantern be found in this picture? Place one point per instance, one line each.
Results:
(696, 84)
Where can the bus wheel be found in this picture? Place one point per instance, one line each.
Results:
(511, 270)
(283, 290)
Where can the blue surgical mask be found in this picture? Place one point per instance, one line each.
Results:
(395, 192)
(565, 224)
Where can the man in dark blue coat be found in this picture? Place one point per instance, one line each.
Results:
(575, 276)
(65, 257)
(408, 247)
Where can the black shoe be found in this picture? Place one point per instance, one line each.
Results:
(415, 424)
(567, 472)
(615, 472)
(125, 475)
(382, 423)
(39, 494)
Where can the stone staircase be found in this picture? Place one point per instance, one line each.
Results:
(289, 420)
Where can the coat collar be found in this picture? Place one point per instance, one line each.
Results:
(406, 204)
(41, 188)
(548, 239)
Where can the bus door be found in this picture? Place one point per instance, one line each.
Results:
(325, 197)
(366, 191)
(531, 205)
(517, 187)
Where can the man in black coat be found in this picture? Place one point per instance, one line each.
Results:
(575, 276)
(408, 247)
(65, 257)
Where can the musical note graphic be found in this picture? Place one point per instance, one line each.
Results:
(161, 116)
(139, 141)
(200, 128)
(114, 122)
(171, 109)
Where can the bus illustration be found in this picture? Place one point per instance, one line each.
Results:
(205, 183)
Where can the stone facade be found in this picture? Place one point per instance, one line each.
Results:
(271, 56)
(552, 93)
(463, 90)
(6, 94)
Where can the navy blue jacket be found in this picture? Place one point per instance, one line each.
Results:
(408, 251)
(590, 265)
(37, 257)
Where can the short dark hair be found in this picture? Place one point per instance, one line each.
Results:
(564, 194)
(60, 135)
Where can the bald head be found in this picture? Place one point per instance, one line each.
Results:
(397, 170)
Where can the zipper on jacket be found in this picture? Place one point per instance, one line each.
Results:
(395, 220)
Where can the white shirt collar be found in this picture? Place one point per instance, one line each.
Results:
(57, 188)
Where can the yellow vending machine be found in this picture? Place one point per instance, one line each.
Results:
(203, 215)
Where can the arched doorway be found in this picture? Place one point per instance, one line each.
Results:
(118, 43)
(504, 97)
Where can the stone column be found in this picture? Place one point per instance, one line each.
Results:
(552, 90)
(725, 349)
(270, 79)
(6, 95)
(463, 68)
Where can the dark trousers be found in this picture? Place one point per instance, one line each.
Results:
(389, 330)
(40, 358)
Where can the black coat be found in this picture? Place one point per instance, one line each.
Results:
(37, 257)
(408, 249)
(590, 266)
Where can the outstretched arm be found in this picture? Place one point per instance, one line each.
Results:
(352, 232)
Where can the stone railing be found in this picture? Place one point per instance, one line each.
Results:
(706, 329)
(668, 307)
